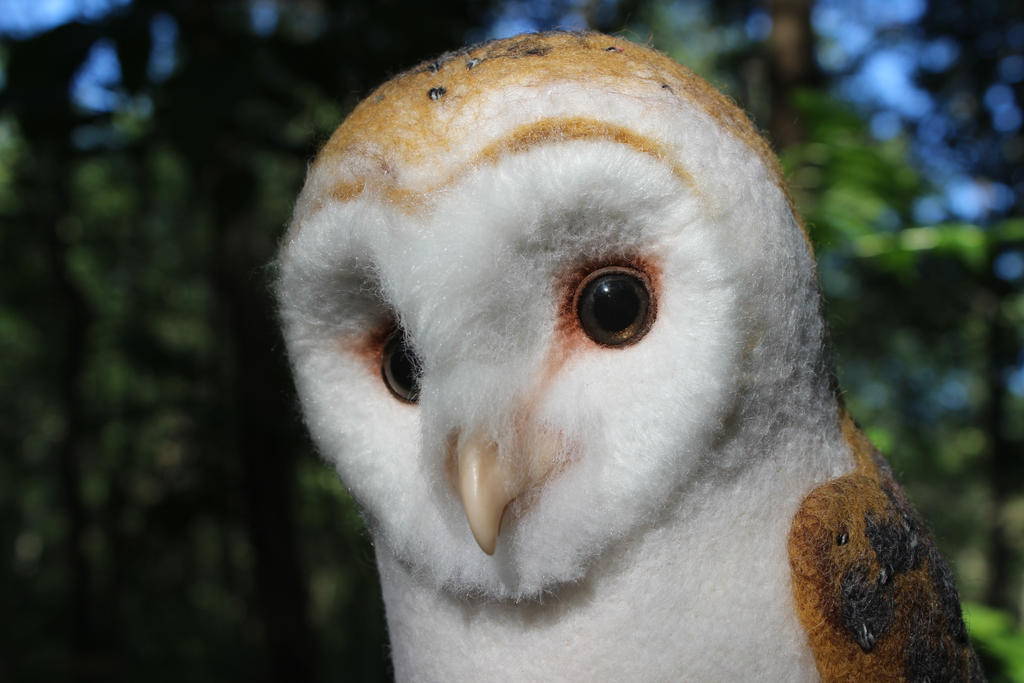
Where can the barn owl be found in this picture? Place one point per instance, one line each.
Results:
(553, 319)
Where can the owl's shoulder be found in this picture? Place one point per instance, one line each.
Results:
(872, 591)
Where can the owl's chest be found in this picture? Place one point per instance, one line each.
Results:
(706, 597)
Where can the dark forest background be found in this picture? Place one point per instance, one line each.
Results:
(163, 515)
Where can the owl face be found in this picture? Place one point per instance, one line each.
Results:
(529, 294)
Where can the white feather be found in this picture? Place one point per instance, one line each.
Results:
(665, 535)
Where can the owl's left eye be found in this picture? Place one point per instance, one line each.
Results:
(400, 368)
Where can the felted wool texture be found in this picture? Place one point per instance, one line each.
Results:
(872, 590)
(462, 218)
(646, 612)
(399, 139)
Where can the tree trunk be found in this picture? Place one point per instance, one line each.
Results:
(267, 463)
(52, 196)
(1000, 359)
(791, 55)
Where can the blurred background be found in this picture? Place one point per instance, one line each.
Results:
(163, 516)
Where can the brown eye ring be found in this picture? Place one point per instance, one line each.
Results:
(615, 305)
(400, 368)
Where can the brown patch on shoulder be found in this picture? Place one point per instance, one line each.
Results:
(872, 590)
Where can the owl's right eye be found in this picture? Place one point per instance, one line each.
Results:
(615, 306)
(400, 368)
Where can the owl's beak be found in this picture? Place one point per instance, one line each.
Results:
(487, 483)
(484, 486)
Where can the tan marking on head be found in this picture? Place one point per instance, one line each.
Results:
(344, 192)
(521, 139)
(402, 125)
(562, 129)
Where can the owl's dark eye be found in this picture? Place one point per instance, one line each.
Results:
(400, 368)
(614, 305)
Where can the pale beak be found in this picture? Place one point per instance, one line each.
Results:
(487, 483)
(484, 486)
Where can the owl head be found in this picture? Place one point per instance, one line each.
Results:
(539, 296)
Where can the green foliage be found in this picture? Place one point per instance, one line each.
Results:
(162, 512)
(916, 315)
(926, 335)
(846, 185)
(998, 642)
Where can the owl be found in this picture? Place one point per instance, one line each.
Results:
(553, 319)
